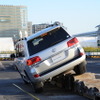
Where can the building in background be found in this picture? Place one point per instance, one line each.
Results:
(13, 21)
(38, 27)
(29, 28)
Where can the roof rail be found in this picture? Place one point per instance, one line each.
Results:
(22, 39)
(54, 24)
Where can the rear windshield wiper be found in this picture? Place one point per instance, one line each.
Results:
(56, 42)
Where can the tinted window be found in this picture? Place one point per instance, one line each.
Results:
(20, 50)
(47, 40)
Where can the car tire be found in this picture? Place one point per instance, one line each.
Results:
(22, 76)
(39, 90)
(81, 68)
(38, 87)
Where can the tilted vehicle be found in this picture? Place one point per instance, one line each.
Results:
(47, 54)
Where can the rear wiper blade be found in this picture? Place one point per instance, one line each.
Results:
(56, 42)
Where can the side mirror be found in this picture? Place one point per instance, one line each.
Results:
(12, 55)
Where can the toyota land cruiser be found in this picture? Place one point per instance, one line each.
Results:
(47, 54)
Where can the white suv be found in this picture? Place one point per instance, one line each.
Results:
(47, 54)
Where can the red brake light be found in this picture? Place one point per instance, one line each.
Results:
(81, 54)
(36, 75)
(72, 42)
(33, 60)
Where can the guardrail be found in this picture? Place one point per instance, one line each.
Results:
(93, 54)
(6, 59)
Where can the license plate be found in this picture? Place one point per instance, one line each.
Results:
(58, 57)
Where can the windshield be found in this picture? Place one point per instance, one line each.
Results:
(47, 40)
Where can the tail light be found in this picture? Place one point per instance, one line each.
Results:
(72, 42)
(81, 54)
(33, 60)
(36, 75)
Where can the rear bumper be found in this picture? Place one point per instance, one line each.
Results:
(68, 66)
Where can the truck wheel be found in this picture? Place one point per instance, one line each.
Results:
(23, 77)
(81, 68)
(38, 87)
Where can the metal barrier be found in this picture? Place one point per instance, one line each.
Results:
(93, 54)
(6, 59)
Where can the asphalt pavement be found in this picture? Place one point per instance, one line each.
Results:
(13, 88)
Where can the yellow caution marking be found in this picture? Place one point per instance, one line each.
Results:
(26, 92)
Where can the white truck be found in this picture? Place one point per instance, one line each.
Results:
(6, 47)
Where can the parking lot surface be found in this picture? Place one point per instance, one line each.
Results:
(13, 88)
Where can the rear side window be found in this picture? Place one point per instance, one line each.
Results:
(20, 50)
(47, 40)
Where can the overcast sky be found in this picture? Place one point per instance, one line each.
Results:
(78, 16)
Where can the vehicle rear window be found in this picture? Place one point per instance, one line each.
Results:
(47, 40)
